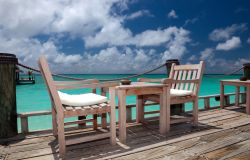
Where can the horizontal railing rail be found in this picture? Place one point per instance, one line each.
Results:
(206, 106)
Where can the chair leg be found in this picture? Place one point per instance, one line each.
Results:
(54, 123)
(104, 120)
(112, 127)
(112, 116)
(95, 121)
(61, 137)
(139, 109)
(195, 112)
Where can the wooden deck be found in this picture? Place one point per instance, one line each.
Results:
(221, 134)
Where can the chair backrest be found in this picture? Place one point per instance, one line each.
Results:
(44, 69)
(187, 72)
(53, 86)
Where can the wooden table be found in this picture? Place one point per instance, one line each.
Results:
(237, 84)
(141, 88)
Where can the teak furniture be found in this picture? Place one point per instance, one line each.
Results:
(139, 89)
(185, 83)
(237, 84)
(61, 111)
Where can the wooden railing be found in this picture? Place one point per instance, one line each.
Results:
(207, 105)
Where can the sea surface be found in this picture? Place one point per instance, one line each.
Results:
(34, 97)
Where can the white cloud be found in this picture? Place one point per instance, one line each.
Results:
(192, 58)
(74, 17)
(248, 40)
(235, 64)
(62, 58)
(177, 47)
(139, 14)
(28, 18)
(113, 60)
(191, 21)
(112, 34)
(28, 51)
(230, 44)
(208, 53)
(172, 14)
(121, 36)
(94, 22)
(158, 37)
(226, 33)
(238, 63)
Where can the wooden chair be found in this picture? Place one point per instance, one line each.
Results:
(185, 83)
(60, 110)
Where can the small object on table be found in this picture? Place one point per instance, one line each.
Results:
(243, 78)
(125, 82)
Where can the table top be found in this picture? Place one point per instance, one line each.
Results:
(236, 81)
(140, 85)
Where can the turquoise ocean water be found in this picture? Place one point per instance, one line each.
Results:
(35, 97)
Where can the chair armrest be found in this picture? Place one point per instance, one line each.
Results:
(87, 81)
(169, 81)
(150, 80)
(76, 85)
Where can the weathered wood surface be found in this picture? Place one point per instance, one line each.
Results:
(237, 84)
(221, 134)
(8, 123)
(207, 106)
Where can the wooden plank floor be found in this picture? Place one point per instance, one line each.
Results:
(221, 134)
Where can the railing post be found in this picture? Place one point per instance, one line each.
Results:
(207, 103)
(24, 125)
(237, 94)
(227, 100)
(246, 68)
(169, 63)
(8, 114)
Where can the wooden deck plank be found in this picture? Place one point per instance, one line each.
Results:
(221, 134)
(81, 149)
(160, 152)
(149, 147)
(230, 151)
(215, 147)
(242, 156)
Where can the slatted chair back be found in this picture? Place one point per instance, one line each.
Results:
(186, 73)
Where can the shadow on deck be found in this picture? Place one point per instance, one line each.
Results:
(220, 134)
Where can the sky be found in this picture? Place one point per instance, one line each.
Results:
(126, 36)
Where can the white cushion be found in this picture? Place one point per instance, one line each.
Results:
(81, 99)
(178, 92)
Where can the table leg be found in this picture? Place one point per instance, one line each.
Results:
(165, 111)
(122, 115)
(139, 109)
(221, 95)
(237, 95)
(112, 116)
(248, 100)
